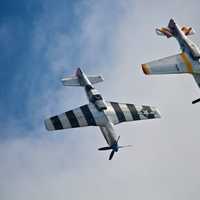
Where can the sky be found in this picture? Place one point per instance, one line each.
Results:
(42, 41)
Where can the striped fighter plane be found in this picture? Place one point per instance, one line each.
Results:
(98, 112)
(188, 61)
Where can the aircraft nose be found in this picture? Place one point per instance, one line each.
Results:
(115, 147)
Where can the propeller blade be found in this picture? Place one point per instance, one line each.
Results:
(118, 139)
(196, 101)
(125, 146)
(104, 148)
(111, 154)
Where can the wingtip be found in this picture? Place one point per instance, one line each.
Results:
(145, 69)
(158, 113)
(48, 125)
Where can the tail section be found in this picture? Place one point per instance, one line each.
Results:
(171, 30)
(78, 79)
(166, 31)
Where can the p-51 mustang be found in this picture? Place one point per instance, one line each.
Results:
(99, 112)
(188, 61)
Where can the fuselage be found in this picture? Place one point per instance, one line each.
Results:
(99, 103)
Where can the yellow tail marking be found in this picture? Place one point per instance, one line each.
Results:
(187, 62)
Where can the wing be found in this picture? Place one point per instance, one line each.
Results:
(176, 64)
(86, 115)
(122, 112)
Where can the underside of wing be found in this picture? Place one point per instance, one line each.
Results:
(122, 112)
(85, 115)
(176, 64)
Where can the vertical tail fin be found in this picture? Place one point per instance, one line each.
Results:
(171, 24)
(78, 72)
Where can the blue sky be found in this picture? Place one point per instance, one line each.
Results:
(42, 41)
(29, 32)
(23, 66)
(18, 62)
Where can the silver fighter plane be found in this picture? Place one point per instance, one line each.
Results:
(188, 61)
(99, 112)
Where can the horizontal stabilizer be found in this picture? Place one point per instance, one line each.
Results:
(95, 79)
(170, 30)
(164, 32)
(188, 30)
(74, 80)
(71, 81)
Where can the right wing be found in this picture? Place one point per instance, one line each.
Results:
(175, 64)
(86, 115)
(122, 112)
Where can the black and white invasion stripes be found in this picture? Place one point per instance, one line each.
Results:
(79, 117)
(88, 115)
(121, 112)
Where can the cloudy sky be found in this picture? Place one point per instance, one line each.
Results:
(42, 41)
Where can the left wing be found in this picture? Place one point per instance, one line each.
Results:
(176, 64)
(122, 112)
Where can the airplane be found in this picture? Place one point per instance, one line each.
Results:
(98, 112)
(188, 61)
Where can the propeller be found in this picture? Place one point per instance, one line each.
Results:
(111, 154)
(196, 101)
(114, 148)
